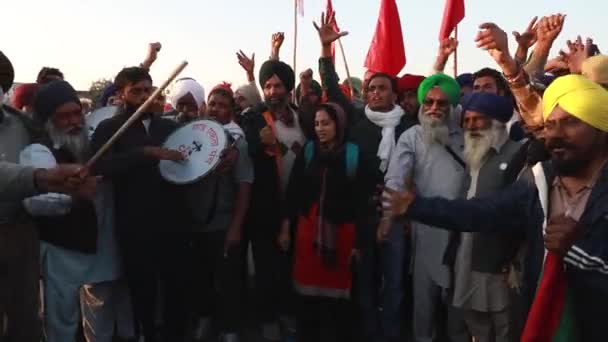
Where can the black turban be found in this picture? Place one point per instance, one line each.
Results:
(282, 70)
(51, 96)
(7, 74)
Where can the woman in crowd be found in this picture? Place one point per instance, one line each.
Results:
(324, 198)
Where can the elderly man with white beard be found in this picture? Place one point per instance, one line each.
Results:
(430, 154)
(68, 225)
(483, 260)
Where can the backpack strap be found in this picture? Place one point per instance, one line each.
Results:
(352, 157)
(352, 160)
(309, 152)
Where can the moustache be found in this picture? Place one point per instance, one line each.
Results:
(74, 130)
(429, 113)
(559, 143)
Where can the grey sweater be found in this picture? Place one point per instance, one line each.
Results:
(16, 182)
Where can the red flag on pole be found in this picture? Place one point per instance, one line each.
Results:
(387, 52)
(330, 9)
(452, 15)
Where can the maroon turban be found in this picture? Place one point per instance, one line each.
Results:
(409, 82)
(24, 95)
(224, 85)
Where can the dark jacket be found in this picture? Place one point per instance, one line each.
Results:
(518, 210)
(145, 202)
(345, 196)
(363, 133)
(493, 251)
(331, 86)
(266, 206)
(77, 230)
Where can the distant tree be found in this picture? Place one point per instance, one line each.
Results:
(97, 88)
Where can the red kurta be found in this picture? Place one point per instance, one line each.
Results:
(311, 276)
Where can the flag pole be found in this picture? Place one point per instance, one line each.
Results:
(456, 53)
(350, 83)
(295, 40)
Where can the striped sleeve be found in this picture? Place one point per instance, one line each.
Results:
(587, 260)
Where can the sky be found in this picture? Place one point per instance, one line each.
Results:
(93, 39)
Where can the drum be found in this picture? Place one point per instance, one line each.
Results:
(94, 118)
(201, 142)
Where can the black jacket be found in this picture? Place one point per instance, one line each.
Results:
(518, 210)
(366, 135)
(145, 202)
(266, 204)
(345, 196)
(77, 230)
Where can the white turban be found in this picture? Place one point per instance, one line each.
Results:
(184, 86)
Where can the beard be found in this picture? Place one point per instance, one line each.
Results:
(275, 103)
(76, 142)
(476, 147)
(566, 166)
(434, 130)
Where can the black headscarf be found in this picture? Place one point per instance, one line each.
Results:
(50, 97)
(282, 70)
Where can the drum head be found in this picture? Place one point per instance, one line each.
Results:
(202, 143)
(94, 118)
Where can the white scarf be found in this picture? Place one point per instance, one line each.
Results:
(234, 130)
(388, 121)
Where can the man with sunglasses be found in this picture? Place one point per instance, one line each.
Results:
(148, 210)
(430, 154)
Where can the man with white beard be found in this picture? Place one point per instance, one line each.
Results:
(430, 154)
(484, 259)
(68, 225)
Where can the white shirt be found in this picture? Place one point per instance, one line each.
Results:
(50, 204)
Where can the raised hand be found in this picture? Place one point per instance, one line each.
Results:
(277, 40)
(528, 38)
(152, 54)
(306, 77)
(493, 39)
(248, 64)
(577, 53)
(549, 28)
(326, 31)
(448, 46)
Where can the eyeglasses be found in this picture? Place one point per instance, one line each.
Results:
(431, 102)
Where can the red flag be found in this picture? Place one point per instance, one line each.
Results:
(387, 52)
(330, 9)
(452, 15)
(551, 317)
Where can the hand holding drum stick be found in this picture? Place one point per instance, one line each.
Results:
(135, 116)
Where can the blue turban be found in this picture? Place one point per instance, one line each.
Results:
(107, 92)
(465, 80)
(499, 108)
